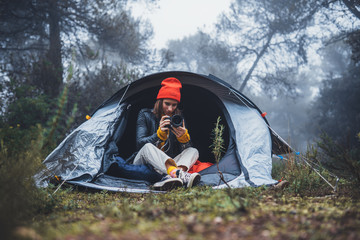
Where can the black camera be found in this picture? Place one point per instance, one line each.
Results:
(175, 121)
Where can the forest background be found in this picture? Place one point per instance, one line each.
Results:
(297, 60)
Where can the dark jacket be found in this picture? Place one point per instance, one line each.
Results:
(146, 132)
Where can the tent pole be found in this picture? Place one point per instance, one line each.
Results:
(65, 179)
(124, 94)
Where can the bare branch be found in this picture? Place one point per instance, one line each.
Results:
(351, 5)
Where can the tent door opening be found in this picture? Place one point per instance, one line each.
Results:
(200, 108)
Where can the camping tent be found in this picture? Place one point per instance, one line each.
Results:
(86, 154)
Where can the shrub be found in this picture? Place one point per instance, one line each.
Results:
(302, 172)
(343, 159)
(20, 199)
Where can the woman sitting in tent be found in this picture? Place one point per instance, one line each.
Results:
(163, 144)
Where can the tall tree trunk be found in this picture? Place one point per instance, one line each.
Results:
(54, 81)
(352, 6)
(258, 57)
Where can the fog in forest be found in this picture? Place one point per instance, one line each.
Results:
(298, 61)
(288, 79)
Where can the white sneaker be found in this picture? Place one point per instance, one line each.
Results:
(189, 179)
(167, 183)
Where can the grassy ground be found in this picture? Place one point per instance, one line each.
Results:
(197, 213)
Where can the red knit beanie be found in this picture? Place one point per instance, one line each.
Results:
(170, 89)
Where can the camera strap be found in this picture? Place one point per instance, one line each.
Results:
(167, 142)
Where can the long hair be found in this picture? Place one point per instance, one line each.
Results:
(158, 110)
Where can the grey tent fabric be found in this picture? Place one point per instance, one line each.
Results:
(253, 142)
(80, 154)
(84, 156)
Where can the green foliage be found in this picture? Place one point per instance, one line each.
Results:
(44, 39)
(25, 143)
(16, 139)
(336, 111)
(22, 149)
(217, 145)
(20, 200)
(341, 159)
(301, 173)
(60, 122)
(335, 117)
(89, 91)
(26, 106)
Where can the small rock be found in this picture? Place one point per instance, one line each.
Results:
(265, 233)
(99, 216)
(191, 219)
(218, 220)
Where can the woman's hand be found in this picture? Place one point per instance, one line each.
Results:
(164, 122)
(179, 131)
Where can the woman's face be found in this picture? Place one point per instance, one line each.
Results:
(169, 106)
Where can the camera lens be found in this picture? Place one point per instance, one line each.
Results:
(176, 120)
